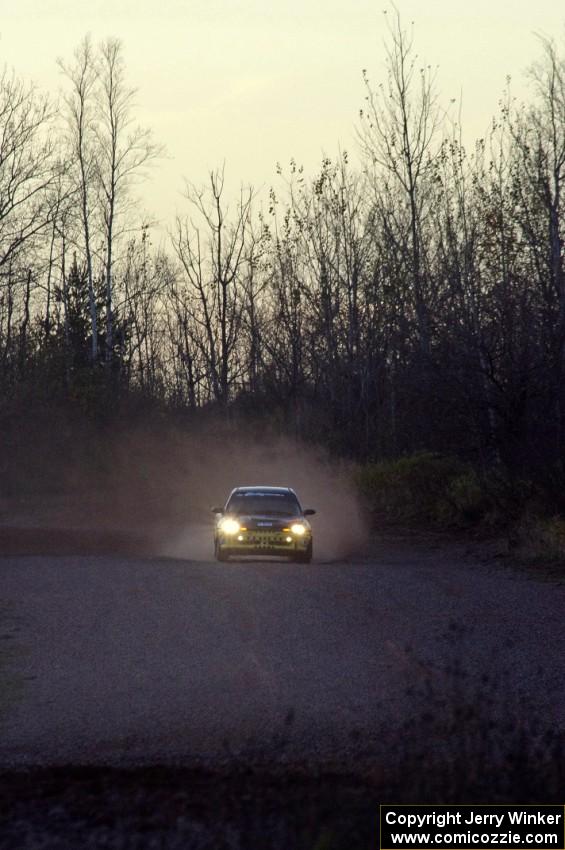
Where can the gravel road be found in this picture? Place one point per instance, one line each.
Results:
(117, 660)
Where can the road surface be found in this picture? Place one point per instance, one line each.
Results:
(125, 660)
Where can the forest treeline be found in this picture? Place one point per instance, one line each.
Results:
(411, 300)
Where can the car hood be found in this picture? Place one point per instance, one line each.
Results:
(270, 522)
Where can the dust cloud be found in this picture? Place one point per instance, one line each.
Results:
(211, 472)
(149, 489)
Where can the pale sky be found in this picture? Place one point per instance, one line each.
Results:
(253, 82)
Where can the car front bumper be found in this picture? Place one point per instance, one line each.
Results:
(264, 543)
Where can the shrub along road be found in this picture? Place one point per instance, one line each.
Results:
(117, 660)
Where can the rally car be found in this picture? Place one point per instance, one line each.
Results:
(263, 521)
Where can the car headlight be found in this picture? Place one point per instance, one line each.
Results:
(229, 526)
(298, 529)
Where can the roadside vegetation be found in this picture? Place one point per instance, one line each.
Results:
(425, 489)
(434, 491)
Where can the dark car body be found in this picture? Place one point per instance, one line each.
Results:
(260, 520)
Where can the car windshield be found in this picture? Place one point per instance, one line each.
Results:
(263, 504)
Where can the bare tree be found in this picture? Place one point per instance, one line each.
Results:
(28, 171)
(145, 278)
(123, 153)
(398, 128)
(80, 117)
(212, 252)
(543, 154)
(27, 166)
(547, 118)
